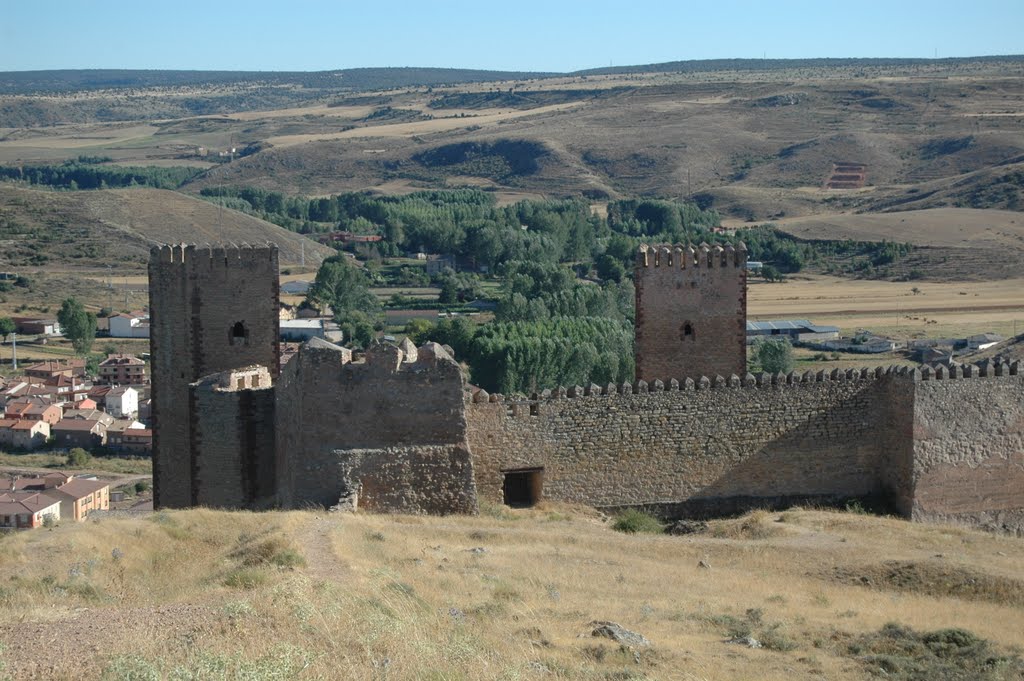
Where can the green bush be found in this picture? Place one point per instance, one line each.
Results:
(632, 521)
(78, 458)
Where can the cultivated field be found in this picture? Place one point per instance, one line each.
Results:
(936, 310)
(308, 595)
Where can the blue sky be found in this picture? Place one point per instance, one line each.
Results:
(524, 35)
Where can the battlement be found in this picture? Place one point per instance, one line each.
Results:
(689, 257)
(760, 381)
(232, 254)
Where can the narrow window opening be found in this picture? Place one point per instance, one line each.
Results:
(534, 409)
(522, 488)
(239, 334)
(688, 333)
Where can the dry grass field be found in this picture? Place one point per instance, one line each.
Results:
(937, 309)
(508, 595)
(937, 227)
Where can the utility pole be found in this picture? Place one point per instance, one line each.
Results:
(302, 245)
(14, 351)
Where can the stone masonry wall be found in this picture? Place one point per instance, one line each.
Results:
(212, 309)
(969, 448)
(436, 479)
(326, 404)
(233, 448)
(698, 447)
(691, 312)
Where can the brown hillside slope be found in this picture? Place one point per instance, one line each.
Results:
(937, 227)
(308, 595)
(94, 228)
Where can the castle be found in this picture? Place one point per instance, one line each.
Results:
(694, 436)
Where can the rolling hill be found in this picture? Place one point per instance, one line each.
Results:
(90, 229)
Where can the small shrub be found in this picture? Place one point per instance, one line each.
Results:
(78, 458)
(245, 578)
(632, 521)
(141, 487)
(898, 652)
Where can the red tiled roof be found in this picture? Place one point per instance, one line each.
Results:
(78, 488)
(13, 503)
(25, 424)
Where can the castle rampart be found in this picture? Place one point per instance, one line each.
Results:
(716, 445)
(691, 311)
(381, 408)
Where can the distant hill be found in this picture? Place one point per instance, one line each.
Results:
(39, 82)
(89, 229)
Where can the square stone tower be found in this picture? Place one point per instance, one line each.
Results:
(211, 309)
(691, 311)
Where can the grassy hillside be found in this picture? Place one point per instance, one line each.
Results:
(509, 595)
(67, 231)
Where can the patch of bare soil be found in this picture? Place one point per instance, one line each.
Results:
(67, 646)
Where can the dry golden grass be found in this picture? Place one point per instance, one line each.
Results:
(938, 309)
(208, 594)
(949, 227)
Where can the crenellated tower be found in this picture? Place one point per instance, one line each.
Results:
(691, 311)
(211, 309)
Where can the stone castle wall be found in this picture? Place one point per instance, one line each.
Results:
(397, 400)
(211, 309)
(233, 423)
(691, 312)
(968, 456)
(695, 450)
(936, 445)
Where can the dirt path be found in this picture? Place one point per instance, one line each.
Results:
(316, 545)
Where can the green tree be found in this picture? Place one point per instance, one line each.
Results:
(78, 458)
(77, 325)
(449, 292)
(6, 327)
(775, 356)
(344, 287)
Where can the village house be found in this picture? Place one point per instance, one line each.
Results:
(89, 415)
(77, 496)
(6, 435)
(122, 402)
(85, 404)
(67, 388)
(27, 510)
(133, 440)
(28, 434)
(34, 326)
(85, 433)
(129, 326)
(50, 413)
(122, 369)
(51, 368)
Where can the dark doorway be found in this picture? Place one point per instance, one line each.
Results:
(523, 487)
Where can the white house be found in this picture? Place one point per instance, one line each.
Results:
(128, 326)
(122, 402)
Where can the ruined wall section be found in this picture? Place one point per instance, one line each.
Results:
(969, 447)
(434, 479)
(212, 309)
(696, 448)
(408, 402)
(232, 455)
(691, 311)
